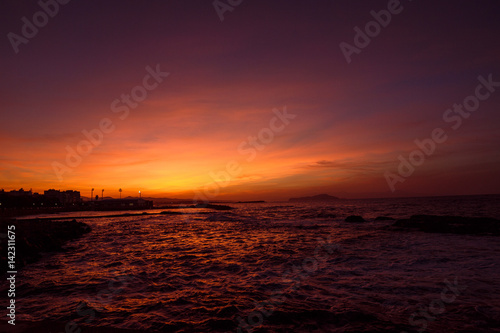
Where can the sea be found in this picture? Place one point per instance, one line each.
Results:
(269, 267)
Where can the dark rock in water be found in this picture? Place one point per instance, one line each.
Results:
(36, 236)
(384, 218)
(211, 206)
(451, 224)
(355, 218)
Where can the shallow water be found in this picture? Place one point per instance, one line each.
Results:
(273, 267)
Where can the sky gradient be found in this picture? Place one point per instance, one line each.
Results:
(352, 120)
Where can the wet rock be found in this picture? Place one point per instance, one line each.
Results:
(211, 206)
(33, 237)
(355, 218)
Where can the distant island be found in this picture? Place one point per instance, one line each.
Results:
(319, 197)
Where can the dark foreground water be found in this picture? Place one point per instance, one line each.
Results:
(272, 268)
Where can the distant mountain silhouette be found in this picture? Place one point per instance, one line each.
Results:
(319, 197)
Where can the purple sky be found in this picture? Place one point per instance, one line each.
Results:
(353, 120)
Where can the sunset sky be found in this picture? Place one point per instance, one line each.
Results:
(352, 120)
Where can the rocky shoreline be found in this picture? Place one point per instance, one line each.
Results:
(32, 238)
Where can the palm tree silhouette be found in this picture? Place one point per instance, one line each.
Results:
(120, 190)
(92, 194)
